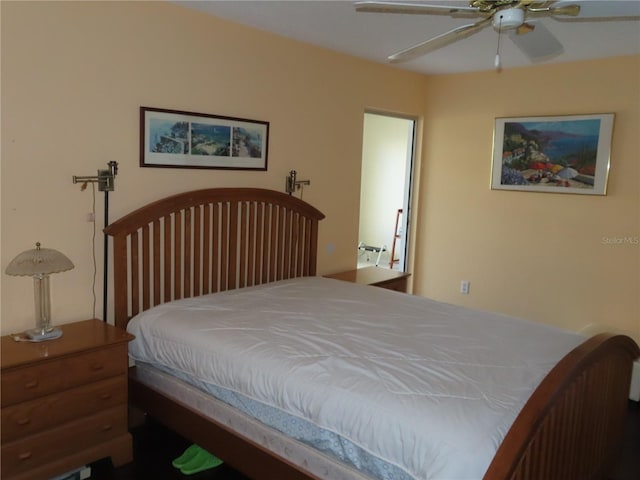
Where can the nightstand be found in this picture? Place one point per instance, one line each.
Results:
(376, 276)
(64, 401)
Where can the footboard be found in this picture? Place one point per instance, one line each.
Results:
(571, 425)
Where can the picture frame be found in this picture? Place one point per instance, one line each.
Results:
(553, 154)
(178, 139)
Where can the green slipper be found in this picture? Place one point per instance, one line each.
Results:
(203, 460)
(187, 456)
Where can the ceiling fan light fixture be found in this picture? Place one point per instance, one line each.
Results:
(508, 19)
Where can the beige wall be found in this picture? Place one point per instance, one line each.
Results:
(74, 75)
(553, 258)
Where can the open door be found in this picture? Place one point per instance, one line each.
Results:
(388, 150)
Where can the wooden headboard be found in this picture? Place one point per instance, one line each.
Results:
(206, 241)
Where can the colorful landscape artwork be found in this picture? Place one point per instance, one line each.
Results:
(558, 154)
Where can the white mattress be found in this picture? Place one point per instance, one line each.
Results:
(429, 388)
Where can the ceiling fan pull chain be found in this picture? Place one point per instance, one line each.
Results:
(496, 62)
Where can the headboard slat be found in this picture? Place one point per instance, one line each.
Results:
(206, 249)
(224, 247)
(197, 250)
(242, 246)
(215, 249)
(134, 269)
(232, 245)
(261, 248)
(310, 237)
(300, 224)
(177, 255)
(156, 262)
(166, 294)
(186, 257)
(286, 250)
(251, 245)
(145, 268)
(273, 240)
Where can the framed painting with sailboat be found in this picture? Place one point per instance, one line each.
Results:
(556, 154)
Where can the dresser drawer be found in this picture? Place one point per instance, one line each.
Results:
(56, 409)
(30, 382)
(42, 448)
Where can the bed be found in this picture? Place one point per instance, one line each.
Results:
(238, 250)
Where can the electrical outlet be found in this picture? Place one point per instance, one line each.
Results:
(91, 217)
(464, 287)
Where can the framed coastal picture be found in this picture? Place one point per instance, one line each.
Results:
(177, 139)
(559, 154)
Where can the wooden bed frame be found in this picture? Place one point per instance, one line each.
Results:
(213, 240)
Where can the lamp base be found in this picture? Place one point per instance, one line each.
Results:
(37, 335)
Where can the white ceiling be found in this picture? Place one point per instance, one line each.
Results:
(334, 24)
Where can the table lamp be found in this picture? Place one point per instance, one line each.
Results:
(39, 263)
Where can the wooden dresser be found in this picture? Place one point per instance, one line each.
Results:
(376, 276)
(64, 401)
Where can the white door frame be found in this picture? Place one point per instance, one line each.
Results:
(408, 190)
(402, 244)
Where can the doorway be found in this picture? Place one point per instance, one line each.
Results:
(385, 190)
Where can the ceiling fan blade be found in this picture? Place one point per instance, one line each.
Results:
(594, 9)
(413, 8)
(439, 41)
(570, 9)
(538, 43)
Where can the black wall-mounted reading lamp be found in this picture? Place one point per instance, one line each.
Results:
(106, 183)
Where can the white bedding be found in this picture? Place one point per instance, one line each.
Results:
(428, 387)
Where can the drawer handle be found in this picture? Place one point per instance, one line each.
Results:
(97, 366)
(105, 396)
(24, 456)
(31, 384)
(106, 428)
(24, 421)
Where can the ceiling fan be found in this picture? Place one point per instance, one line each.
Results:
(516, 16)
